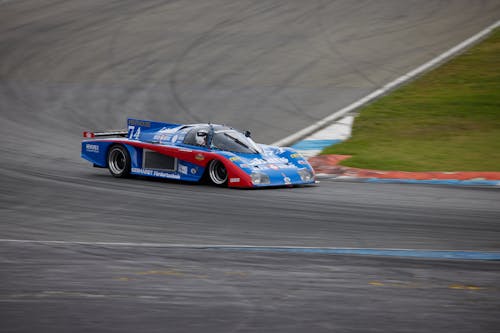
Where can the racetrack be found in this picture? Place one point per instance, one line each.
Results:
(272, 67)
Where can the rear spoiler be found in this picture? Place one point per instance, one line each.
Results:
(135, 127)
(90, 134)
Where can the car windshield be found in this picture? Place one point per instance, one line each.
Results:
(231, 140)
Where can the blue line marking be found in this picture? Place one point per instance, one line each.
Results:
(314, 144)
(428, 254)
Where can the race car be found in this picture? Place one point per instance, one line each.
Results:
(219, 154)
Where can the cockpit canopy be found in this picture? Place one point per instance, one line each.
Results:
(222, 138)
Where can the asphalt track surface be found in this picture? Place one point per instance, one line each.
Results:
(270, 66)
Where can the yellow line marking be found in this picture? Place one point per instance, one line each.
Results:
(123, 279)
(167, 272)
(464, 287)
(376, 283)
(242, 274)
(414, 285)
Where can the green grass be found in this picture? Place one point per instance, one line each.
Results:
(446, 120)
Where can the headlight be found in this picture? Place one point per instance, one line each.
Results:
(260, 178)
(306, 175)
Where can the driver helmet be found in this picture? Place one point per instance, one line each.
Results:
(201, 137)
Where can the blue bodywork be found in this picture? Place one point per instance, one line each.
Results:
(167, 150)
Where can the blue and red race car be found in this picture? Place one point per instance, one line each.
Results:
(195, 152)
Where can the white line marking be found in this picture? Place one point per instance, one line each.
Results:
(289, 140)
(339, 130)
(119, 244)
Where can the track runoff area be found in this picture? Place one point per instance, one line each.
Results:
(337, 127)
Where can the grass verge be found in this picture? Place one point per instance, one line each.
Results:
(446, 120)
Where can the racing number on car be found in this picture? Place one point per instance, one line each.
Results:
(132, 135)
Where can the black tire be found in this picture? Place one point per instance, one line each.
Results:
(217, 173)
(119, 163)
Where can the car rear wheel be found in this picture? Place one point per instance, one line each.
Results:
(217, 172)
(119, 163)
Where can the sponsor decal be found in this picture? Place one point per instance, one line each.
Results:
(275, 160)
(296, 155)
(155, 173)
(165, 134)
(167, 130)
(275, 166)
(199, 157)
(92, 148)
(234, 158)
(194, 171)
(286, 179)
(162, 137)
(183, 169)
(234, 180)
(142, 123)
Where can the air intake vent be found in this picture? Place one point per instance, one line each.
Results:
(157, 161)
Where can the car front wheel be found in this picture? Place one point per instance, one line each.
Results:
(217, 172)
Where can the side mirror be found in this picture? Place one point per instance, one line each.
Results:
(247, 134)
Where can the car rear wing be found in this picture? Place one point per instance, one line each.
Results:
(135, 129)
(91, 134)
